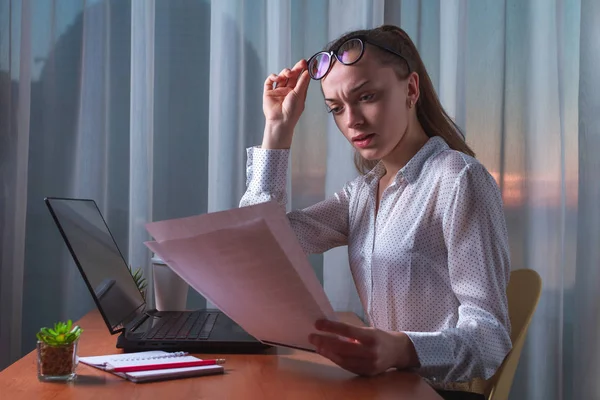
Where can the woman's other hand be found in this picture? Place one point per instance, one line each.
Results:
(283, 102)
(363, 350)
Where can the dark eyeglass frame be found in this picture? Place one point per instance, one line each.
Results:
(363, 40)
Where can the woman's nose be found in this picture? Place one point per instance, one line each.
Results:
(354, 118)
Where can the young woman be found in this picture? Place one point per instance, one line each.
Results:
(423, 223)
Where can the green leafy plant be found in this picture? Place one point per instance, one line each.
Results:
(63, 333)
(140, 281)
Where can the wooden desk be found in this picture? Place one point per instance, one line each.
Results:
(280, 374)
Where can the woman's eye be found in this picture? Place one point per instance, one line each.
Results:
(367, 97)
(334, 110)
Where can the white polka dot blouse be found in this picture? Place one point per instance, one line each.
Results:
(432, 262)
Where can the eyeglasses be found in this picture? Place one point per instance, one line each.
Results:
(348, 53)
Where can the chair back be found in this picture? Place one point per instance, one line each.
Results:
(523, 293)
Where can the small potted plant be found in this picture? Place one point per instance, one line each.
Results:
(57, 351)
(140, 281)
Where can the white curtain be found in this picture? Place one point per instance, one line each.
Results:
(147, 107)
(65, 69)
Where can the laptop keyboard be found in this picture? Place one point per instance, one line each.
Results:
(195, 325)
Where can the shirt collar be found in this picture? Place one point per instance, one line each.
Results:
(413, 167)
(376, 173)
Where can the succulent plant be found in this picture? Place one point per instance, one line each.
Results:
(63, 333)
(140, 281)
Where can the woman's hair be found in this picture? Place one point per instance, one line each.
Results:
(430, 113)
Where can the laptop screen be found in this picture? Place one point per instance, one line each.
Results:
(98, 258)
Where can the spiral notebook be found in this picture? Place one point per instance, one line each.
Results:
(151, 358)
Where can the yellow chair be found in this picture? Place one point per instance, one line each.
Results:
(523, 293)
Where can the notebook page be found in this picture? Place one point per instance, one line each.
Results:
(244, 271)
(137, 359)
(103, 360)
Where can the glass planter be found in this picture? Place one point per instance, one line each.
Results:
(56, 363)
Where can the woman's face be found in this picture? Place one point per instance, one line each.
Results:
(369, 105)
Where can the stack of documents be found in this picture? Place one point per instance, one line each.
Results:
(249, 263)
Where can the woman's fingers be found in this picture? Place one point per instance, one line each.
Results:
(276, 81)
(283, 99)
(364, 335)
(296, 73)
(273, 79)
(284, 77)
(302, 85)
(287, 77)
(300, 65)
(285, 72)
(339, 346)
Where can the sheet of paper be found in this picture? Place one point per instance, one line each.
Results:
(248, 263)
(190, 226)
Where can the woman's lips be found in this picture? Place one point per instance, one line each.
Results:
(363, 141)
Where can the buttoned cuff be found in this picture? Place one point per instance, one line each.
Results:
(266, 169)
(433, 349)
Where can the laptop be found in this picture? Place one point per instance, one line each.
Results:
(121, 304)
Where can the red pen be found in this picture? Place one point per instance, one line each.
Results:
(151, 367)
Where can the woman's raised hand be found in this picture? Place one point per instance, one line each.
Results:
(283, 102)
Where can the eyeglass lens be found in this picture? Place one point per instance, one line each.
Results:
(348, 53)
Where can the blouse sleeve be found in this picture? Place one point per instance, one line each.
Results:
(478, 260)
(319, 227)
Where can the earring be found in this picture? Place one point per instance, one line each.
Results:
(410, 104)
